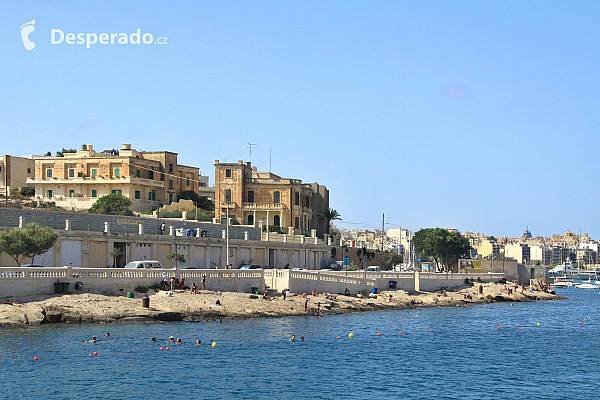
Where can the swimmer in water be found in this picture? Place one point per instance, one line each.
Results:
(302, 338)
(198, 342)
(107, 334)
(171, 339)
(293, 338)
(178, 341)
(153, 340)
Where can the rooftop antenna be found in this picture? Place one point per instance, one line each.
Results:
(250, 147)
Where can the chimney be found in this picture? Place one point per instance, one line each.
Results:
(126, 146)
(89, 147)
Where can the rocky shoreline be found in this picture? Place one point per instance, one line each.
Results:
(182, 305)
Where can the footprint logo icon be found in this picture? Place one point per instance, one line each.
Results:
(26, 29)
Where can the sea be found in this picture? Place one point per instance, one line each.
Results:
(537, 350)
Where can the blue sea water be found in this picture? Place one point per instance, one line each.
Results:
(465, 357)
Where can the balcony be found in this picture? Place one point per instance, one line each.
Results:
(88, 180)
(263, 207)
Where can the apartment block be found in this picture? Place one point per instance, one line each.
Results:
(78, 179)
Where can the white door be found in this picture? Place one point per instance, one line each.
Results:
(70, 253)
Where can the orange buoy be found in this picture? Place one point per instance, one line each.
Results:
(95, 353)
(35, 358)
(431, 330)
(167, 348)
(337, 337)
(581, 322)
(161, 348)
(89, 355)
(378, 334)
(401, 332)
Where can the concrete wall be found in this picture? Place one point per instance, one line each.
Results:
(34, 281)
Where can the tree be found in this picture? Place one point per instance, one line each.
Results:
(443, 246)
(329, 215)
(116, 252)
(25, 243)
(63, 151)
(28, 191)
(390, 259)
(112, 204)
(202, 202)
(178, 257)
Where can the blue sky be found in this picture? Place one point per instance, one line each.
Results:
(472, 115)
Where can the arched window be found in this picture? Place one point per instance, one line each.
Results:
(276, 221)
(276, 197)
(250, 219)
(297, 223)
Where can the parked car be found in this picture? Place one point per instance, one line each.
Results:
(253, 266)
(144, 264)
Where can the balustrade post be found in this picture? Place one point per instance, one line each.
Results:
(140, 229)
(21, 222)
(106, 227)
(245, 235)
(67, 225)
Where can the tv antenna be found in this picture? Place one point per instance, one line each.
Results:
(250, 147)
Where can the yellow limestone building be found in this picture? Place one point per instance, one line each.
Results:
(263, 198)
(78, 179)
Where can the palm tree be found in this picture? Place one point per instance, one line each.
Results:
(329, 215)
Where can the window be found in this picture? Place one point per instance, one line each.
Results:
(170, 168)
(150, 174)
(28, 170)
(138, 194)
(152, 195)
(227, 173)
(276, 220)
(49, 173)
(228, 195)
(94, 172)
(276, 197)
(170, 198)
(297, 223)
(250, 196)
(71, 173)
(187, 181)
(117, 191)
(138, 173)
(307, 202)
(170, 183)
(297, 199)
(117, 171)
(250, 219)
(71, 193)
(94, 193)
(49, 193)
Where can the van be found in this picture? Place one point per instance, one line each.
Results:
(373, 269)
(144, 264)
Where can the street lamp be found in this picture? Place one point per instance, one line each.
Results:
(226, 229)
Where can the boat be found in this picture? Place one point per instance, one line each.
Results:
(588, 284)
(565, 269)
(561, 282)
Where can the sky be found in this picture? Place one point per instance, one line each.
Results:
(477, 116)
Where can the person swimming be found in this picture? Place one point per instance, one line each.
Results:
(178, 341)
(293, 338)
(153, 340)
(198, 342)
(302, 338)
(171, 339)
